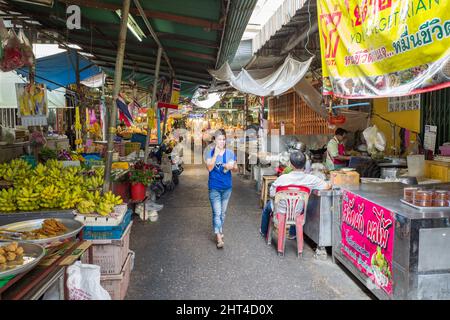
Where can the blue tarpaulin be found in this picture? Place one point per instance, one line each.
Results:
(58, 70)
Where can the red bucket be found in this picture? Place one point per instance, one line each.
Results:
(137, 191)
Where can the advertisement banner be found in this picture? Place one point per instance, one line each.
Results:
(384, 48)
(368, 239)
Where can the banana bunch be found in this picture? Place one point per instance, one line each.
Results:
(50, 197)
(86, 206)
(8, 174)
(93, 182)
(100, 171)
(112, 198)
(8, 200)
(70, 199)
(40, 170)
(27, 199)
(104, 208)
(96, 197)
(53, 163)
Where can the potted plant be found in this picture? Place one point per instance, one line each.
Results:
(141, 176)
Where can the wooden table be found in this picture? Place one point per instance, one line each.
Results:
(50, 271)
(265, 189)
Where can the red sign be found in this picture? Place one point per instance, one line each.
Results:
(368, 238)
(162, 105)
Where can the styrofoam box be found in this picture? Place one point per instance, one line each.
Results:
(117, 284)
(114, 219)
(110, 255)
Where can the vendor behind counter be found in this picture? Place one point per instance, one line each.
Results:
(336, 157)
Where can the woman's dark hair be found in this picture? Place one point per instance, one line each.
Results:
(220, 132)
(298, 160)
(340, 132)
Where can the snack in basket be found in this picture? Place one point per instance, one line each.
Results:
(10, 253)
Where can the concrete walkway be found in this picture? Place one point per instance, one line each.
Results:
(176, 257)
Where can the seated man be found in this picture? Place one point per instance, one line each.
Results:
(298, 178)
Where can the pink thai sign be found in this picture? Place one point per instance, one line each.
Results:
(368, 238)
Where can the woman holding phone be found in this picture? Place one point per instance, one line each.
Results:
(220, 162)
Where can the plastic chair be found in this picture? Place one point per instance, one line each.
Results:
(293, 196)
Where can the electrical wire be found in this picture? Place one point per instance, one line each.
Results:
(309, 29)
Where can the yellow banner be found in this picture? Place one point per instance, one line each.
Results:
(374, 48)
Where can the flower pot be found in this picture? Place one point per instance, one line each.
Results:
(137, 191)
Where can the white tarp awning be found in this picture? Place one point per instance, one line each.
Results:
(8, 98)
(276, 83)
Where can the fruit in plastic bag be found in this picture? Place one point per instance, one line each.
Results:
(12, 55)
(26, 50)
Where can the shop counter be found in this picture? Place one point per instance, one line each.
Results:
(396, 251)
(319, 219)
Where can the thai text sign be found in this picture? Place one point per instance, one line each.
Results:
(376, 48)
(368, 238)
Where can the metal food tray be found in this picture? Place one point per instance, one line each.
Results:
(425, 208)
(73, 226)
(32, 255)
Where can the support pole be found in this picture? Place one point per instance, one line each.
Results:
(116, 90)
(153, 101)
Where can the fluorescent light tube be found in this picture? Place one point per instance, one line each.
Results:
(133, 26)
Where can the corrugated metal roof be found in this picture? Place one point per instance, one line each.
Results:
(189, 30)
(243, 55)
(281, 17)
(238, 17)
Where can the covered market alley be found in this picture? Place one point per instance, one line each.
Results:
(176, 257)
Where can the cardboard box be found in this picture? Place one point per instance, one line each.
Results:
(342, 178)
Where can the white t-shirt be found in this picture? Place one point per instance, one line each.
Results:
(297, 178)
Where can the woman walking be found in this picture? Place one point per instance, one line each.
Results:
(220, 161)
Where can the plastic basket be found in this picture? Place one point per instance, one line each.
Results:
(114, 219)
(119, 147)
(131, 147)
(137, 137)
(110, 255)
(30, 159)
(107, 232)
(117, 285)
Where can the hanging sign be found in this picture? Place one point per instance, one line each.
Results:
(32, 103)
(176, 87)
(162, 105)
(376, 48)
(368, 238)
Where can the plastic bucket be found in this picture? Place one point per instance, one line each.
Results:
(137, 191)
(416, 165)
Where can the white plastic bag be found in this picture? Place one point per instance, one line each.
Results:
(375, 139)
(83, 282)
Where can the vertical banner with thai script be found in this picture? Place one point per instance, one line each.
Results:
(368, 238)
(382, 48)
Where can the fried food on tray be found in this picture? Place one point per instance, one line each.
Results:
(50, 228)
(10, 253)
(11, 256)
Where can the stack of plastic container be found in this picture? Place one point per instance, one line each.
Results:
(110, 237)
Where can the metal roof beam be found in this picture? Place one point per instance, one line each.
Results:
(139, 45)
(208, 24)
(155, 37)
(178, 62)
(151, 71)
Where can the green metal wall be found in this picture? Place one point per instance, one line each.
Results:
(436, 111)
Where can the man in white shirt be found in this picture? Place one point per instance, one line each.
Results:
(298, 178)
